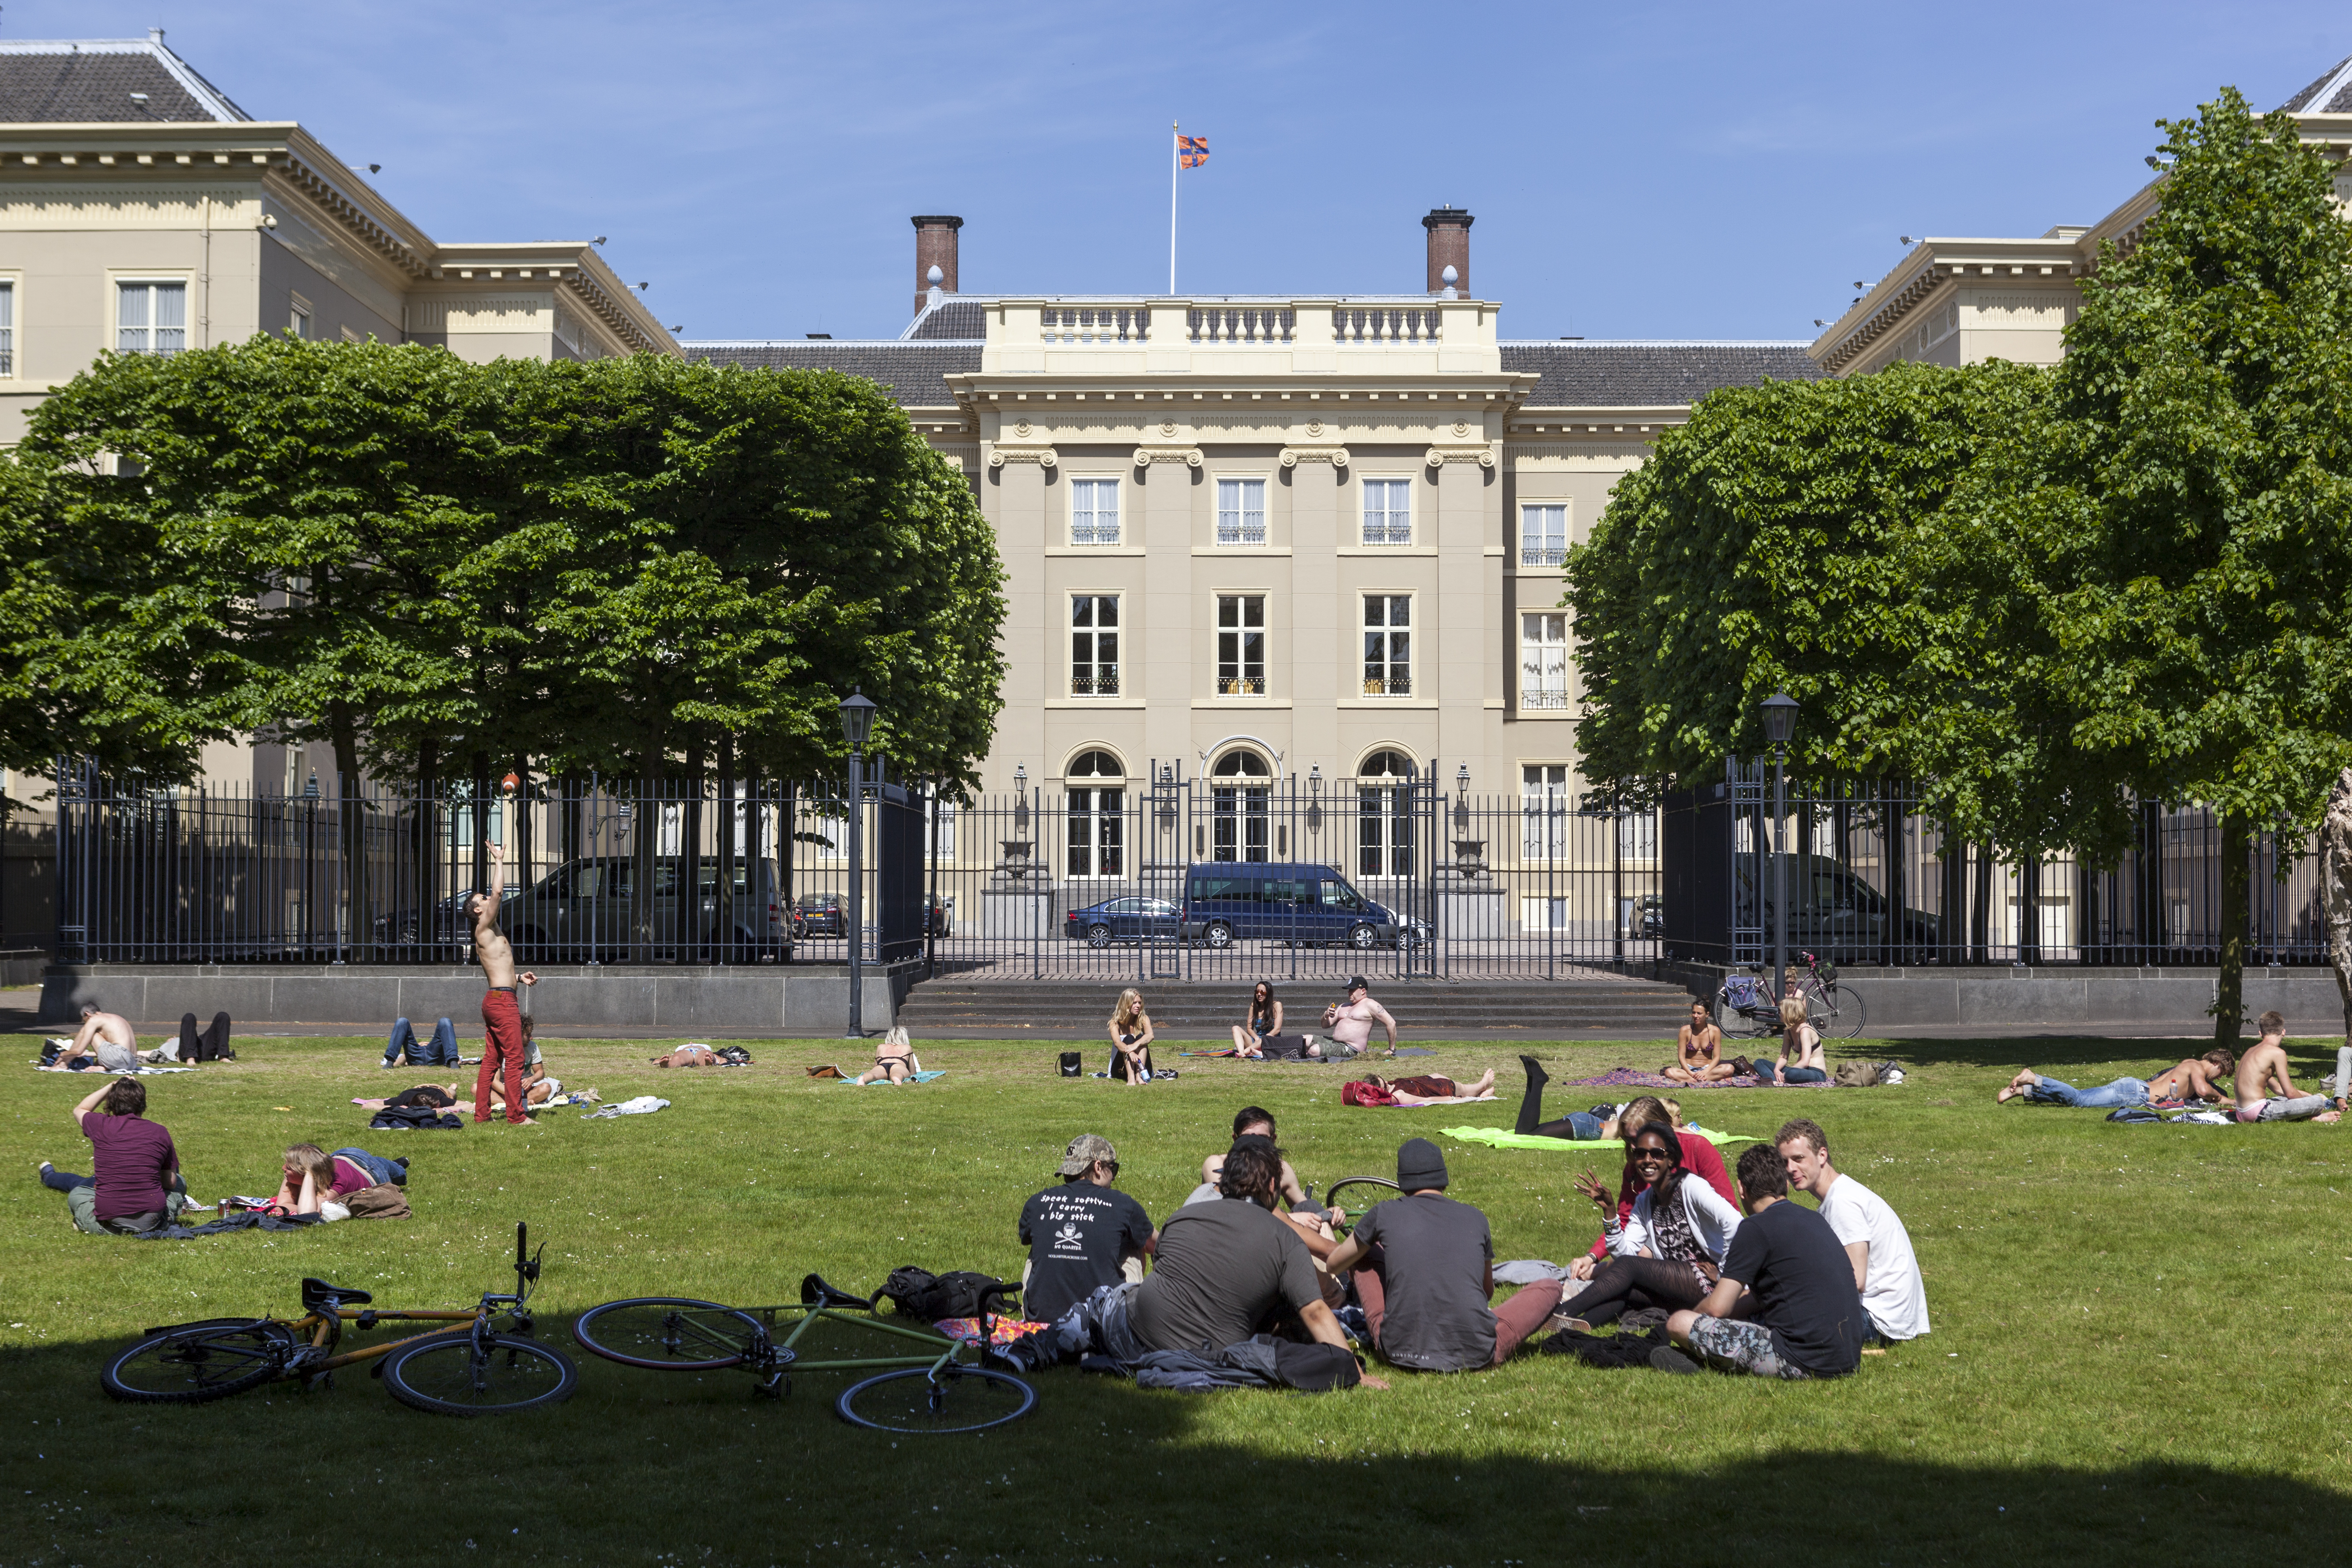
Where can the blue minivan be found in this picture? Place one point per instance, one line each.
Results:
(1228, 901)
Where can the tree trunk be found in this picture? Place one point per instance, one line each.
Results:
(2237, 908)
(1981, 909)
(730, 917)
(694, 924)
(351, 813)
(2335, 892)
(424, 848)
(648, 843)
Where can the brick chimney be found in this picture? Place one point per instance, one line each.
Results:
(935, 249)
(1449, 246)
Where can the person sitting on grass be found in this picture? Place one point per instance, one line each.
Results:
(1262, 1020)
(1222, 1273)
(1254, 1122)
(135, 1184)
(1131, 1039)
(1082, 1233)
(106, 1038)
(1698, 1050)
(2193, 1077)
(1800, 1047)
(1700, 1158)
(1351, 1022)
(440, 1051)
(1804, 1316)
(893, 1059)
(1886, 1271)
(316, 1182)
(1424, 1270)
(2265, 1092)
(1668, 1253)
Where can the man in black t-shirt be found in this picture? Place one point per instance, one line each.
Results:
(1424, 1267)
(1082, 1234)
(1807, 1319)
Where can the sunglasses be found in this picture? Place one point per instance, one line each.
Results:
(1643, 1156)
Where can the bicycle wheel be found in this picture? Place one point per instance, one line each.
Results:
(1844, 1014)
(450, 1375)
(668, 1333)
(964, 1399)
(190, 1365)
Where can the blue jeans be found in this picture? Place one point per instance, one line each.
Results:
(1803, 1075)
(2123, 1091)
(1585, 1125)
(441, 1052)
(376, 1165)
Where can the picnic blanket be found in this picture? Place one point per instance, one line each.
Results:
(911, 1077)
(1494, 1137)
(1626, 1078)
(144, 1069)
(644, 1105)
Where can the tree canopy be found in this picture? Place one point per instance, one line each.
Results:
(437, 565)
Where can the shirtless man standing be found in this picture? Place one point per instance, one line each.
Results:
(105, 1037)
(1698, 1050)
(502, 1047)
(2265, 1093)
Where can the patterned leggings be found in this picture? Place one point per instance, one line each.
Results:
(1736, 1346)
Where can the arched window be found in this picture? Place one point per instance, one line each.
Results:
(1384, 814)
(1240, 817)
(1097, 815)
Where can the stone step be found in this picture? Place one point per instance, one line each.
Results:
(1430, 1009)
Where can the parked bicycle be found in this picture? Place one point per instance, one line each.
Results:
(942, 1387)
(1833, 1008)
(476, 1369)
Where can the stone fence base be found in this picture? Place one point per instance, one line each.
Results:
(2061, 995)
(793, 1000)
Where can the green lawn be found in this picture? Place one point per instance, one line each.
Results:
(2140, 1353)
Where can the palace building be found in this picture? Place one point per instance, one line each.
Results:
(1266, 537)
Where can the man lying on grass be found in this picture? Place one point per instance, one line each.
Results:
(1804, 1316)
(1424, 1267)
(2193, 1077)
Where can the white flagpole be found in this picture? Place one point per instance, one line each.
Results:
(1175, 162)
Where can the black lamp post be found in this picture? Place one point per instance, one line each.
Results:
(857, 725)
(1779, 722)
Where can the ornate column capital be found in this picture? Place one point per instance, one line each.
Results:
(1335, 455)
(1190, 456)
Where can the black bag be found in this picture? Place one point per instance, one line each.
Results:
(919, 1293)
(411, 1119)
(1314, 1368)
(735, 1056)
(1073, 1064)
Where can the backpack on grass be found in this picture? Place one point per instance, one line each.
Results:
(919, 1293)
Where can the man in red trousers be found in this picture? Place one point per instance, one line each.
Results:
(502, 1047)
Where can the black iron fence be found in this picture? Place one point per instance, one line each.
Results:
(1163, 877)
(1870, 880)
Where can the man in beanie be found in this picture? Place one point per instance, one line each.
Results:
(1082, 1233)
(1425, 1270)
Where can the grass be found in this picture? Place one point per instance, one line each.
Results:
(2138, 1354)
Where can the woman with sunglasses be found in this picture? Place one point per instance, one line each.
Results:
(1669, 1252)
(1263, 1021)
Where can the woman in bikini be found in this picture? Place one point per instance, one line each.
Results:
(1263, 1020)
(1800, 1047)
(1130, 1038)
(893, 1059)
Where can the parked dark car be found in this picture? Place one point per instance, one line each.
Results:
(822, 914)
(1121, 919)
(585, 911)
(1229, 901)
(1833, 911)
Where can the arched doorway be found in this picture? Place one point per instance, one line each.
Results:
(1240, 789)
(1384, 836)
(1096, 789)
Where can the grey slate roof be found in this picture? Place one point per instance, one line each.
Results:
(92, 82)
(954, 318)
(2331, 94)
(1650, 374)
(912, 370)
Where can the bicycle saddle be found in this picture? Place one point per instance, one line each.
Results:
(316, 1293)
(816, 1292)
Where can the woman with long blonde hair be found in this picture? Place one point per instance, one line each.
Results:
(316, 1182)
(1130, 1038)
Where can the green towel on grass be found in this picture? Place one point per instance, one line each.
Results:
(1498, 1138)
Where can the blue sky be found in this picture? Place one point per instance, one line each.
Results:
(1703, 171)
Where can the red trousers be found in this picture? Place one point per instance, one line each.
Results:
(502, 1048)
(1515, 1319)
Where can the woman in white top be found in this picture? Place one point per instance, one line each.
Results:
(1670, 1253)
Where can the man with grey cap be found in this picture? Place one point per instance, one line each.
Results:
(1425, 1270)
(1082, 1233)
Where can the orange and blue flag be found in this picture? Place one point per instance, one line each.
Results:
(1191, 152)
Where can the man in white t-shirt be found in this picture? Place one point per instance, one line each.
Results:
(1885, 1270)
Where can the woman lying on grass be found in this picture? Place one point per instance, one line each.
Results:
(893, 1059)
(1668, 1253)
(316, 1182)
(1420, 1089)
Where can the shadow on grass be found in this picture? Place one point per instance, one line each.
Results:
(1615, 1468)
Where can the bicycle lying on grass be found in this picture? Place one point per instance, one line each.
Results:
(475, 1370)
(943, 1388)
